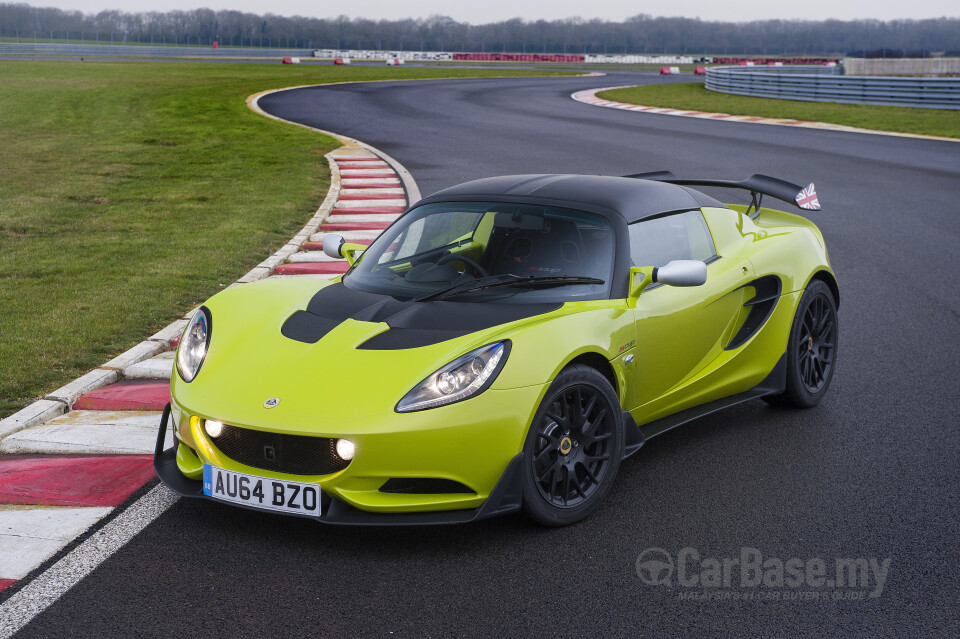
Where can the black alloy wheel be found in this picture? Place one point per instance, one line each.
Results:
(817, 344)
(812, 350)
(573, 448)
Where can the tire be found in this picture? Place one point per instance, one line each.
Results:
(812, 349)
(573, 449)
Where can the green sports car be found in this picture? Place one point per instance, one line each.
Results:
(504, 345)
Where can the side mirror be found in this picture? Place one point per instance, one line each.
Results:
(640, 278)
(332, 244)
(336, 247)
(675, 273)
(681, 273)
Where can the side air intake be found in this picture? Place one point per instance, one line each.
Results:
(424, 486)
(761, 308)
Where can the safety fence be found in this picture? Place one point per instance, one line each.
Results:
(929, 67)
(445, 56)
(772, 61)
(380, 54)
(520, 57)
(589, 58)
(169, 50)
(826, 84)
(367, 54)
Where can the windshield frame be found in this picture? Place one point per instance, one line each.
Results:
(615, 284)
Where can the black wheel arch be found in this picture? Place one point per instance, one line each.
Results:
(828, 278)
(600, 363)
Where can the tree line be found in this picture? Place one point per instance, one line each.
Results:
(639, 34)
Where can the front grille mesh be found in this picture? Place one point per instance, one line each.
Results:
(292, 454)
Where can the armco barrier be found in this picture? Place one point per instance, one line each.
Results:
(520, 57)
(377, 54)
(766, 61)
(826, 84)
(641, 59)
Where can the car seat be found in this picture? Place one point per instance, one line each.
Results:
(556, 249)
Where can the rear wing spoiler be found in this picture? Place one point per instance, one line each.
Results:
(758, 185)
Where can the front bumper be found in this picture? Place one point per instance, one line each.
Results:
(505, 497)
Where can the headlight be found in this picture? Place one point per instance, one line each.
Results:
(193, 345)
(462, 378)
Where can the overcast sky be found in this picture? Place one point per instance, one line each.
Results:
(480, 12)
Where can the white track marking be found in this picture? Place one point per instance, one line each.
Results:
(140, 352)
(588, 96)
(312, 256)
(49, 586)
(349, 236)
(346, 164)
(362, 204)
(29, 535)
(381, 191)
(362, 217)
(36, 413)
(91, 381)
(368, 181)
(89, 432)
(254, 275)
(168, 332)
(347, 173)
(160, 367)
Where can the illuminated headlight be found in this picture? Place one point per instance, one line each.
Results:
(462, 378)
(193, 345)
(346, 449)
(213, 428)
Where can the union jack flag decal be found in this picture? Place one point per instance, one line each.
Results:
(807, 199)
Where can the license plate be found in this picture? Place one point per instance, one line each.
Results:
(261, 492)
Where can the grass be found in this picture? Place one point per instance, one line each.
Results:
(130, 192)
(940, 122)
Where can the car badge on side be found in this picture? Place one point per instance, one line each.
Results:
(270, 403)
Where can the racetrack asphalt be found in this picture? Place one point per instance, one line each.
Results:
(872, 472)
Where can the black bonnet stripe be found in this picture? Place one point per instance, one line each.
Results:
(400, 338)
(412, 324)
(307, 327)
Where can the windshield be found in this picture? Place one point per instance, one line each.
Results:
(455, 250)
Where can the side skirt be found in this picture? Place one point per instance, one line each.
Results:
(774, 384)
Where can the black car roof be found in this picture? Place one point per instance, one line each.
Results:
(632, 198)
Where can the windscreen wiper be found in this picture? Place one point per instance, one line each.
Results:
(470, 284)
(513, 280)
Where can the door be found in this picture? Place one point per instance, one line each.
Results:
(681, 330)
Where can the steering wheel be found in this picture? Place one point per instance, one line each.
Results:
(469, 261)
